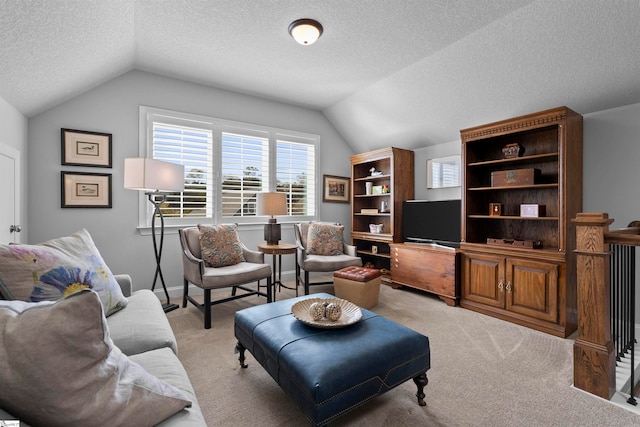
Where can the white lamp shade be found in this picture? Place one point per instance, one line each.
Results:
(153, 175)
(272, 204)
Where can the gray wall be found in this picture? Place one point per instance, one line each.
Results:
(610, 161)
(113, 108)
(433, 152)
(611, 147)
(14, 134)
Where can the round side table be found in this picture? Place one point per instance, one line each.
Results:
(278, 250)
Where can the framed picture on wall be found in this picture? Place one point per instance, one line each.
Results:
(86, 190)
(335, 189)
(84, 148)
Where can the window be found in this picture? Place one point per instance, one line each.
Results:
(226, 164)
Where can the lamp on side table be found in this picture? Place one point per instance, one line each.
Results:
(156, 179)
(272, 204)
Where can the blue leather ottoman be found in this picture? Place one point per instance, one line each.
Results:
(328, 372)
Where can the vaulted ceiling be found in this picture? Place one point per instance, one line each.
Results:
(408, 73)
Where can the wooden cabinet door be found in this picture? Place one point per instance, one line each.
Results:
(532, 288)
(483, 279)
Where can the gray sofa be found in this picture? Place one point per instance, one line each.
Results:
(142, 332)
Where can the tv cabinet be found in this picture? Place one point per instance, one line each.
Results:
(521, 266)
(434, 269)
(391, 182)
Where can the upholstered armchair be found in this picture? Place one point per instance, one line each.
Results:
(321, 248)
(213, 257)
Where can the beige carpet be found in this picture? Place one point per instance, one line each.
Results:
(484, 372)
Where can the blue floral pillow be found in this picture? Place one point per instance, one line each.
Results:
(220, 245)
(57, 268)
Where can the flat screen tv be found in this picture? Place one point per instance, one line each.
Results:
(436, 222)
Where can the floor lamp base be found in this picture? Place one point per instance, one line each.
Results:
(169, 307)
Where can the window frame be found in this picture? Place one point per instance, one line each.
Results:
(148, 115)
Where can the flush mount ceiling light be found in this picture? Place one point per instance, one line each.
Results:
(305, 31)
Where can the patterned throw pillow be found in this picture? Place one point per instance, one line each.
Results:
(62, 369)
(325, 239)
(220, 245)
(56, 268)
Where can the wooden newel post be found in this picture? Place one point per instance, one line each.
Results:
(594, 362)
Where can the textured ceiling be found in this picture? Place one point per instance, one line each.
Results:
(406, 73)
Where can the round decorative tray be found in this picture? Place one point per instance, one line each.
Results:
(351, 313)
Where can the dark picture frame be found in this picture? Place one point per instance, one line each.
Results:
(336, 189)
(86, 148)
(85, 190)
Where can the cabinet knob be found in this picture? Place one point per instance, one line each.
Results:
(509, 286)
(500, 285)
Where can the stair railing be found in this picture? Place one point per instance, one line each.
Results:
(606, 303)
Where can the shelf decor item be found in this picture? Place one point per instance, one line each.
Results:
(369, 211)
(375, 228)
(495, 209)
(84, 148)
(523, 176)
(533, 211)
(512, 150)
(375, 172)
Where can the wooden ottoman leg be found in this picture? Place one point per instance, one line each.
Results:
(421, 381)
(240, 349)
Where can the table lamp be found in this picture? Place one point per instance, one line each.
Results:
(156, 179)
(272, 204)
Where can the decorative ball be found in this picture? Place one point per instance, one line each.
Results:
(333, 312)
(317, 311)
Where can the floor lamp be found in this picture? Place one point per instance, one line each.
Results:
(156, 179)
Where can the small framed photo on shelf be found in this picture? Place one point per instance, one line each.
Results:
(335, 189)
(84, 148)
(86, 190)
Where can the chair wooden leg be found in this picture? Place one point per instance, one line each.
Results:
(207, 308)
(185, 293)
(269, 291)
(306, 282)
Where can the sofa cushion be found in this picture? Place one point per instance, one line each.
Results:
(325, 239)
(165, 365)
(50, 270)
(220, 245)
(63, 369)
(142, 326)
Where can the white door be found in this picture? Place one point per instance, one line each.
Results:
(9, 194)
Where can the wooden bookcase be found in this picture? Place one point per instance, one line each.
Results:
(396, 171)
(531, 287)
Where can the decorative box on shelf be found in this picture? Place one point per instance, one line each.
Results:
(369, 211)
(533, 210)
(512, 150)
(515, 177)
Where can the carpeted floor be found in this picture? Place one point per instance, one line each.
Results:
(484, 372)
